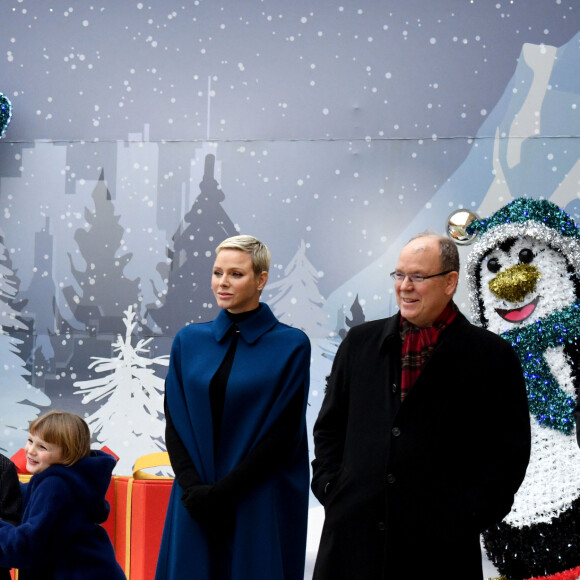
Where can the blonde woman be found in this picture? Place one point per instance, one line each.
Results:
(236, 395)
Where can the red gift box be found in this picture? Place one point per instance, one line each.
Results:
(19, 460)
(141, 506)
(110, 523)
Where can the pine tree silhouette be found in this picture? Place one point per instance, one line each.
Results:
(298, 301)
(132, 411)
(96, 302)
(104, 290)
(358, 316)
(188, 297)
(10, 314)
(19, 402)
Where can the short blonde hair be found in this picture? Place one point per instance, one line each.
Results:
(259, 252)
(70, 432)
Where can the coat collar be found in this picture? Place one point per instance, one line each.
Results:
(251, 328)
(391, 334)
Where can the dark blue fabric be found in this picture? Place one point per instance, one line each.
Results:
(271, 364)
(60, 537)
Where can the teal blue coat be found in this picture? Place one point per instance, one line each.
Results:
(270, 368)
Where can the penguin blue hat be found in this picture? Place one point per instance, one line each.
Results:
(540, 219)
(524, 210)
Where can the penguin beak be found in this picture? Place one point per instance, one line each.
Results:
(515, 283)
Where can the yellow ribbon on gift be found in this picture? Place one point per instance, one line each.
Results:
(148, 461)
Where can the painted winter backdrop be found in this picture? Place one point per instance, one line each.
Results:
(59, 336)
(143, 135)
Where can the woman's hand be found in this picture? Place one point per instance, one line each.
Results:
(209, 507)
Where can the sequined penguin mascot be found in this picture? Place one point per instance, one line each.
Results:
(523, 275)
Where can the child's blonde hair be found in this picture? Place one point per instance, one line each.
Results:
(67, 430)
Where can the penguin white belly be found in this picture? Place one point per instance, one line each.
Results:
(552, 479)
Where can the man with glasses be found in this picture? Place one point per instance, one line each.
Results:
(423, 436)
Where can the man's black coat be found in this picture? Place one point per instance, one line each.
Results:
(408, 487)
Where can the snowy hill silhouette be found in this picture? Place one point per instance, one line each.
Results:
(525, 147)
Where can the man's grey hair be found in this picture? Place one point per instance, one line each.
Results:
(448, 251)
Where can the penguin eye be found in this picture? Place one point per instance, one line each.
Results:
(493, 265)
(526, 256)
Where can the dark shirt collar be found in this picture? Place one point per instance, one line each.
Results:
(238, 317)
(252, 325)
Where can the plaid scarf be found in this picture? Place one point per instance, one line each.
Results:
(418, 346)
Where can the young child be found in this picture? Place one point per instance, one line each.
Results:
(59, 536)
(10, 499)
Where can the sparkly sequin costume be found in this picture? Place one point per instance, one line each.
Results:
(524, 284)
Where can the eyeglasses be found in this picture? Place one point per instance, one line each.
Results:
(415, 278)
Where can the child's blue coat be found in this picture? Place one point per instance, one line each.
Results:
(59, 537)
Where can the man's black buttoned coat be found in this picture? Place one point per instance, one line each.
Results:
(408, 487)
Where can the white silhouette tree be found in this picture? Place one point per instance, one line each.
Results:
(298, 302)
(19, 401)
(132, 415)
